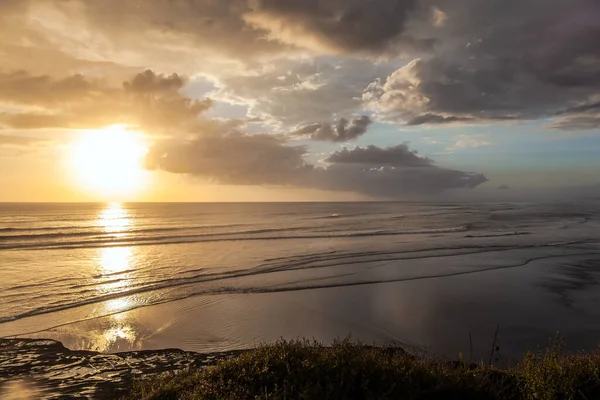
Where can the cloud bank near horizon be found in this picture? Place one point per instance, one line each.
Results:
(239, 159)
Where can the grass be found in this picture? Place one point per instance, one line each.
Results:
(347, 370)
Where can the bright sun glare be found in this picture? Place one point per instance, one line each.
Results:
(109, 161)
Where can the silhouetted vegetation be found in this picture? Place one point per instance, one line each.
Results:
(347, 370)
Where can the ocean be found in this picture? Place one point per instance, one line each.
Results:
(436, 277)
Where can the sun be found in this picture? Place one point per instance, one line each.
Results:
(109, 162)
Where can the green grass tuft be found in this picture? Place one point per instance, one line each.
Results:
(346, 370)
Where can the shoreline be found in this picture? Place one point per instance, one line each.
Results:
(45, 368)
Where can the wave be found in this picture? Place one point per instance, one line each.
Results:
(286, 287)
(41, 284)
(331, 216)
(13, 229)
(299, 261)
(499, 235)
(115, 241)
(96, 230)
(126, 271)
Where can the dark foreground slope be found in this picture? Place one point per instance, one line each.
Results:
(287, 370)
(308, 370)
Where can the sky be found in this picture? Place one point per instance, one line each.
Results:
(286, 100)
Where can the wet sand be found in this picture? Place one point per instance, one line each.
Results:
(45, 369)
(434, 315)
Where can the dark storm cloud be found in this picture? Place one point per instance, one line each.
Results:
(396, 156)
(240, 159)
(338, 25)
(498, 60)
(392, 182)
(435, 119)
(342, 131)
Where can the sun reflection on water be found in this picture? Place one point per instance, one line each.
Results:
(116, 267)
(116, 335)
(125, 332)
(117, 305)
(115, 259)
(114, 219)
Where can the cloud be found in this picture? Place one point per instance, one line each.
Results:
(392, 182)
(232, 158)
(212, 27)
(37, 120)
(395, 156)
(288, 93)
(432, 140)
(438, 17)
(33, 39)
(241, 30)
(149, 100)
(149, 82)
(435, 119)
(342, 131)
(469, 142)
(241, 159)
(277, 80)
(593, 106)
(583, 116)
(338, 26)
(20, 140)
(577, 122)
(495, 62)
(410, 62)
(471, 62)
(24, 89)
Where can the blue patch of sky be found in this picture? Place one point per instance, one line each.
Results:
(519, 145)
